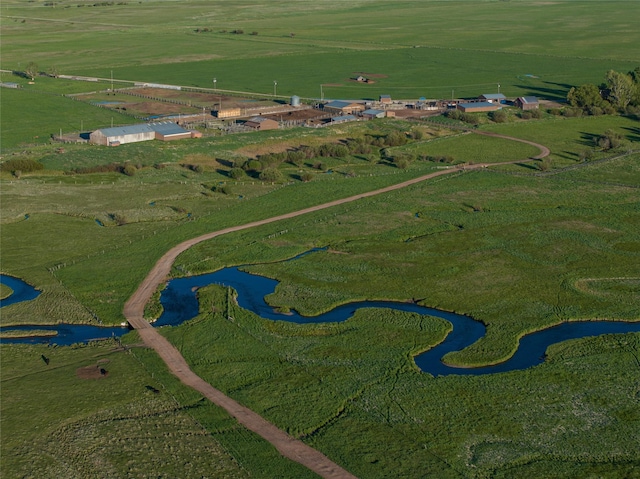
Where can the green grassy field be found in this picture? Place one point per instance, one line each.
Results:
(134, 420)
(351, 389)
(514, 247)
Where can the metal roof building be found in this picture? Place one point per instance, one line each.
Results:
(527, 102)
(120, 135)
(478, 106)
(342, 119)
(168, 130)
(345, 107)
(493, 97)
(371, 113)
(261, 123)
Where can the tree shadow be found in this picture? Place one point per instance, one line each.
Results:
(588, 139)
(634, 133)
(559, 93)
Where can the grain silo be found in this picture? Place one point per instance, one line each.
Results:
(295, 100)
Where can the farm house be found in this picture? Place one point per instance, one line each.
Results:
(527, 102)
(385, 99)
(261, 123)
(478, 106)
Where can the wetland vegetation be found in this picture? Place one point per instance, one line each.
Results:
(518, 246)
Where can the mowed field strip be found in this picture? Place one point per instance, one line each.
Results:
(134, 308)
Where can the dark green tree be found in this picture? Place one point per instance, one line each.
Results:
(622, 89)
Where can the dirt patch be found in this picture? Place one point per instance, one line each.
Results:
(94, 371)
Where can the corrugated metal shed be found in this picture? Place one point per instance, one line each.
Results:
(374, 113)
(338, 104)
(126, 130)
(493, 96)
(168, 128)
(341, 119)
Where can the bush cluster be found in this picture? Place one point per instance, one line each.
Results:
(126, 169)
(462, 116)
(22, 165)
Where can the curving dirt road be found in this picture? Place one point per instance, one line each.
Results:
(289, 447)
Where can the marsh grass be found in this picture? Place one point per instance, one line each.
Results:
(325, 382)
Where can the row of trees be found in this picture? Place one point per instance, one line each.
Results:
(620, 92)
(369, 146)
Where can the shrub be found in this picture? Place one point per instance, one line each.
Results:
(306, 177)
(270, 174)
(395, 138)
(417, 134)
(22, 165)
(610, 140)
(253, 165)
(586, 155)
(499, 116)
(129, 169)
(236, 173)
(537, 113)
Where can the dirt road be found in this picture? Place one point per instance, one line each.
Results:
(288, 446)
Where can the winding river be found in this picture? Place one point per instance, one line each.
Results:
(180, 304)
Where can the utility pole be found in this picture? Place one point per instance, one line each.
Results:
(498, 87)
(275, 86)
(321, 94)
(112, 81)
(214, 84)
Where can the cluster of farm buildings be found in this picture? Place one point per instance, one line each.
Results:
(330, 112)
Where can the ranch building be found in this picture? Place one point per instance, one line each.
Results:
(478, 106)
(261, 123)
(371, 114)
(493, 97)
(342, 119)
(121, 135)
(166, 131)
(385, 99)
(527, 102)
(344, 107)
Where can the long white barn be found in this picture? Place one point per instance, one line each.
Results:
(120, 135)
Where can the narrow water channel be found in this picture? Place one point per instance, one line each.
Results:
(180, 304)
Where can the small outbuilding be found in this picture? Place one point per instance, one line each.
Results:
(342, 119)
(385, 99)
(527, 102)
(493, 97)
(344, 107)
(478, 106)
(261, 123)
(371, 113)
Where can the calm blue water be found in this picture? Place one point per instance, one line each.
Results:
(21, 290)
(180, 304)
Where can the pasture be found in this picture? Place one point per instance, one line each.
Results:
(513, 246)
